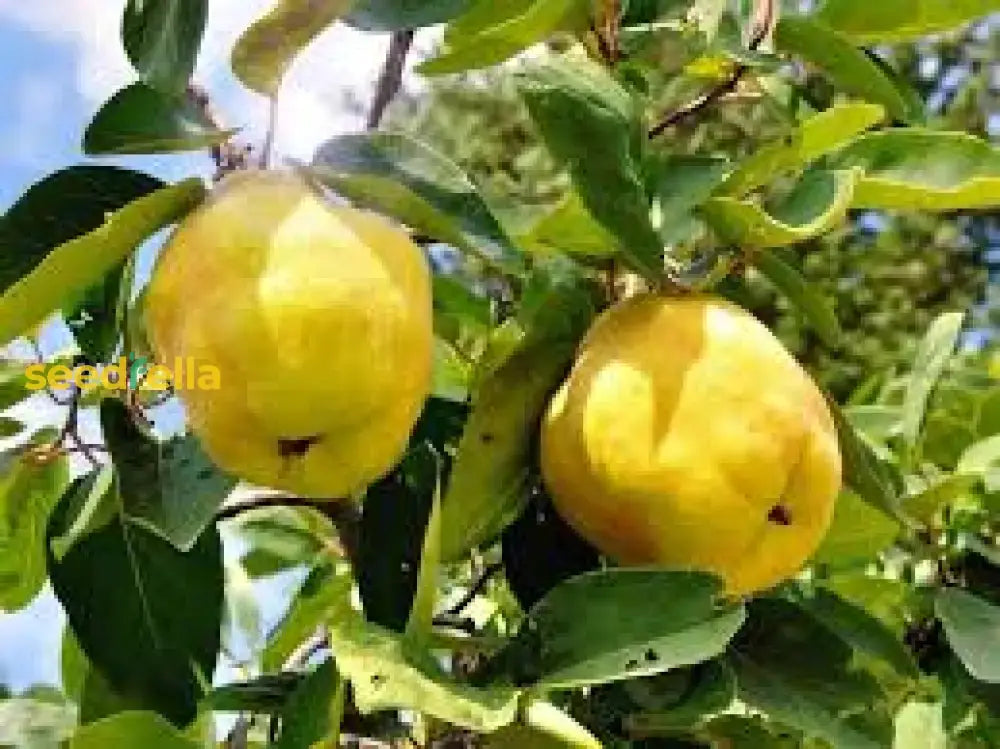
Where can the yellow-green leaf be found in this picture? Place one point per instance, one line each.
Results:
(818, 136)
(900, 20)
(266, 50)
(571, 228)
(817, 205)
(83, 261)
(923, 170)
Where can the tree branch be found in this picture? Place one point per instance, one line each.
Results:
(476, 589)
(765, 17)
(391, 79)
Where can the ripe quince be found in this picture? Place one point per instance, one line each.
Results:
(318, 318)
(687, 436)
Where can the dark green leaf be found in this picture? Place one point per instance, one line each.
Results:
(10, 427)
(492, 32)
(91, 503)
(28, 493)
(929, 363)
(311, 717)
(139, 119)
(681, 184)
(901, 20)
(13, 383)
(73, 666)
(591, 125)
(403, 178)
(266, 50)
(393, 15)
(859, 629)
(162, 38)
(973, 629)
(849, 69)
(64, 205)
(171, 487)
(94, 317)
(393, 522)
(81, 262)
(923, 170)
(816, 309)
(784, 672)
(129, 596)
(265, 694)
(576, 635)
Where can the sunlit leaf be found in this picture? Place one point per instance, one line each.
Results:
(818, 204)
(144, 729)
(267, 49)
(901, 20)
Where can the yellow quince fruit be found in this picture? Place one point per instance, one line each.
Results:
(686, 436)
(318, 319)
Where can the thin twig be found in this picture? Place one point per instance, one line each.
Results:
(391, 79)
(476, 589)
(765, 18)
(266, 501)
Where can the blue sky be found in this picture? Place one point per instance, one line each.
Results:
(59, 59)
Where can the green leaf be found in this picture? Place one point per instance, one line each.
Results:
(569, 228)
(265, 694)
(325, 591)
(859, 629)
(312, 715)
(267, 49)
(876, 422)
(95, 315)
(13, 384)
(487, 488)
(681, 184)
(979, 457)
(162, 38)
(28, 493)
(818, 204)
(79, 263)
(131, 729)
(420, 620)
(63, 206)
(913, 169)
(858, 533)
(818, 136)
(92, 503)
(383, 677)
(591, 125)
(973, 629)
(492, 32)
(396, 15)
(172, 488)
(401, 177)
(863, 471)
(849, 69)
(394, 524)
(542, 725)
(699, 692)
(927, 503)
(141, 120)
(278, 539)
(129, 595)
(901, 20)
(815, 308)
(929, 363)
(576, 635)
(10, 427)
(73, 666)
(920, 724)
(783, 672)
(27, 723)
(99, 700)
(450, 373)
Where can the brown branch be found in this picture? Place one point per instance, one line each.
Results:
(391, 79)
(765, 17)
(476, 589)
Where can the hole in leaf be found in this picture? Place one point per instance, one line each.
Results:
(632, 665)
(651, 656)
